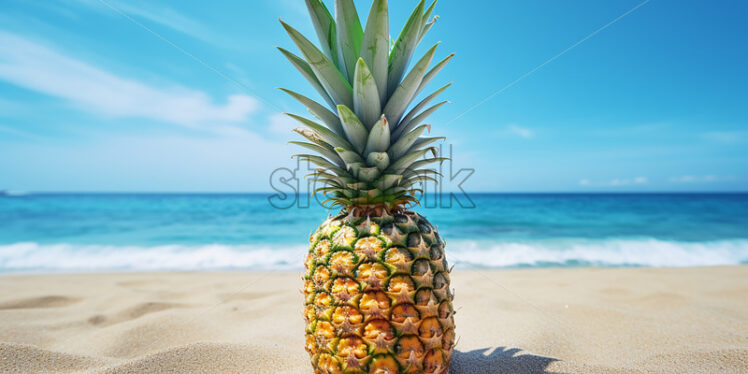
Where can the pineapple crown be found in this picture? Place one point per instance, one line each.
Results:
(368, 146)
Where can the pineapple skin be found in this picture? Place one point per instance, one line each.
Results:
(377, 297)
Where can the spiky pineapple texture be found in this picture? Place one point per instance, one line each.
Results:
(377, 296)
(368, 146)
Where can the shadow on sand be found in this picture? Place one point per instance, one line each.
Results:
(500, 360)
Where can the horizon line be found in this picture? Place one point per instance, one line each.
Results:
(13, 193)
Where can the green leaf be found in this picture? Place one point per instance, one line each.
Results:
(396, 191)
(324, 24)
(427, 27)
(379, 137)
(432, 73)
(341, 179)
(380, 160)
(403, 144)
(404, 47)
(421, 172)
(354, 129)
(350, 36)
(366, 102)
(374, 193)
(320, 161)
(325, 115)
(375, 46)
(308, 73)
(326, 134)
(349, 156)
(328, 74)
(420, 178)
(434, 150)
(402, 96)
(355, 167)
(422, 105)
(327, 189)
(337, 201)
(405, 161)
(420, 163)
(369, 174)
(324, 151)
(422, 142)
(388, 180)
(425, 21)
(429, 10)
(356, 186)
(360, 201)
(405, 127)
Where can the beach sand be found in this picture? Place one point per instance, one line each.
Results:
(630, 320)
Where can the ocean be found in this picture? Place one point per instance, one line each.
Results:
(146, 232)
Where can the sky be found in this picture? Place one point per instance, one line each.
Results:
(548, 96)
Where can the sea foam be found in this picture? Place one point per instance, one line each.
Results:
(67, 257)
(601, 252)
(465, 254)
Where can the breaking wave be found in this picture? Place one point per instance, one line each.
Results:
(603, 252)
(466, 254)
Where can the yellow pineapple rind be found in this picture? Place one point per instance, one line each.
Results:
(377, 296)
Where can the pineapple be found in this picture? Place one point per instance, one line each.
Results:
(376, 284)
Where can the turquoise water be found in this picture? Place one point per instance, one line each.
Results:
(89, 232)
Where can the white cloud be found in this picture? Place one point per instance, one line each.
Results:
(700, 179)
(38, 68)
(520, 131)
(616, 182)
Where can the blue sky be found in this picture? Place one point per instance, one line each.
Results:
(657, 101)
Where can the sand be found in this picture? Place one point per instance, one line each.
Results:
(692, 320)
